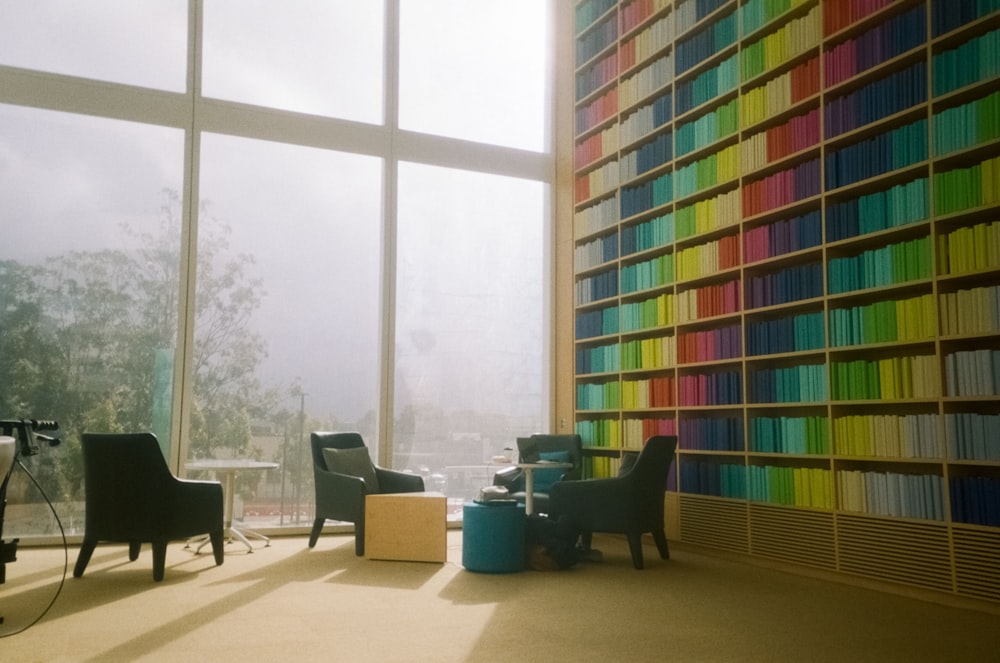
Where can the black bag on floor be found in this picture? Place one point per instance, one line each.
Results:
(551, 543)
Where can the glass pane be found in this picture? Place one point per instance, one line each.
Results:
(287, 320)
(475, 70)
(309, 56)
(123, 41)
(89, 259)
(469, 338)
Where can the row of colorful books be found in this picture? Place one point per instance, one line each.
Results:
(598, 396)
(648, 313)
(709, 301)
(968, 435)
(798, 133)
(653, 273)
(783, 236)
(973, 436)
(876, 45)
(645, 44)
(649, 353)
(786, 43)
(977, 59)
(904, 261)
(598, 322)
(707, 129)
(976, 500)
(597, 75)
(838, 14)
(790, 435)
(647, 393)
(970, 311)
(972, 372)
(706, 86)
(710, 344)
(691, 50)
(890, 378)
(960, 189)
(709, 258)
(946, 15)
(970, 249)
(597, 287)
(650, 234)
(888, 435)
(791, 486)
(597, 111)
(716, 388)
(647, 118)
(706, 215)
(967, 125)
(648, 156)
(788, 384)
(647, 195)
(785, 187)
(779, 94)
(588, 11)
(795, 333)
(652, 78)
(717, 479)
(881, 98)
(891, 494)
(790, 284)
(884, 153)
(596, 252)
(597, 39)
(886, 321)
(711, 433)
(899, 205)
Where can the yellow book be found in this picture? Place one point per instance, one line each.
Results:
(990, 187)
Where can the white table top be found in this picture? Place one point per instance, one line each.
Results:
(543, 464)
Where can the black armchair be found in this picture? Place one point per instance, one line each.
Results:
(630, 504)
(341, 490)
(132, 497)
(557, 448)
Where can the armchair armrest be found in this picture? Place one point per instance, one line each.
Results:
(393, 481)
(345, 491)
(195, 501)
(599, 502)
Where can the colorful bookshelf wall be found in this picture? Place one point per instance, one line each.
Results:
(787, 232)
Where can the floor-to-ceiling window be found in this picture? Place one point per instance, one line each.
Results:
(233, 223)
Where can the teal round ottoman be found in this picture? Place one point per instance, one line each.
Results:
(493, 538)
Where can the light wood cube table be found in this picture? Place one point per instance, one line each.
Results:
(406, 527)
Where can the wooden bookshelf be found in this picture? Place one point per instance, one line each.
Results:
(787, 253)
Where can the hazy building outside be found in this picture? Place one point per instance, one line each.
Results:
(236, 268)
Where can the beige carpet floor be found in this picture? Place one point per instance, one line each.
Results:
(288, 603)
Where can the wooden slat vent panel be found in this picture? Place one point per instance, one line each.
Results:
(977, 563)
(714, 523)
(903, 551)
(794, 535)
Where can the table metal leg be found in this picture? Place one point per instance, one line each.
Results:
(529, 490)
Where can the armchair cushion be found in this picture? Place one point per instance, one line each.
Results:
(355, 462)
(544, 478)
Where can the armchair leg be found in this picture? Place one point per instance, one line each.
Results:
(317, 528)
(133, 550)
(660, 537)
(86, 550)
(635, 547)
(359, 538)
(218, 546)
(159, 559)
